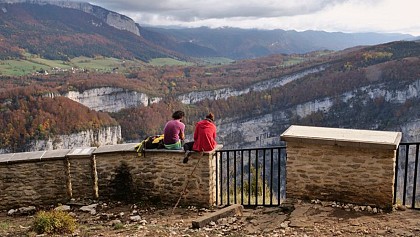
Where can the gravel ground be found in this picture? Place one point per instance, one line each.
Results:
(300, 219)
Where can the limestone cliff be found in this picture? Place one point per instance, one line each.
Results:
(224, 93)
(88, 138)
(113, 19)
(111, 99)
(265, 130)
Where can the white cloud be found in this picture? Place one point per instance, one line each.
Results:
(400, 16)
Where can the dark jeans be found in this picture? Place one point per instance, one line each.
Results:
(188, 146)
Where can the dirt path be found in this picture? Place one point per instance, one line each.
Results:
(306, 219)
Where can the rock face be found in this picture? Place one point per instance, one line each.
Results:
(411, 130)
(250, 132)
(113, 19)
(110, 99)
(224, 93)
(102, 136)
(265, 130)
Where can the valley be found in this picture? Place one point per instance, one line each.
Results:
(96, 83)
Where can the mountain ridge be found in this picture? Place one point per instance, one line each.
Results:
(239, 43)
(365, 87)
(112, 18)
(59, 30)
(60, 33)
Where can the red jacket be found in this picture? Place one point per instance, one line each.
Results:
(204, 136)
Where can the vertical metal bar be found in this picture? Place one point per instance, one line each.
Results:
(228, 179)
(221, 181)
(397, 165)
(413, 202)
(249, 177)
(279, 175)
(271, 176)
(263, 176)
(405, 174)
(256, 177)
(242, 177)
(234, 176)
(218, 154)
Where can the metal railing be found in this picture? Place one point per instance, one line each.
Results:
(406, 172)
(251, 177)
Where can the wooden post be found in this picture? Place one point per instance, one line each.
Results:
(95, 178)
(68, 178)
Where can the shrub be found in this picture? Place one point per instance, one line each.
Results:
(118, 226)
(54, 222)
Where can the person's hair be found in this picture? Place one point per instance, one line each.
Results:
(210, 116)
(178, 114)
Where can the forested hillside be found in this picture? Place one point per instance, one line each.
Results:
(62, 33)
(64, 30)
(29, 114)
(368, 87)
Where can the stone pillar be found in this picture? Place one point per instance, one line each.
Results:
(346, 165)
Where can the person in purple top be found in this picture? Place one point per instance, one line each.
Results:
(174, 132)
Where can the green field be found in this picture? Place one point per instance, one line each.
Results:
(19, 67)
(217, 60)
(293, 61)
(32, 64)
(168, 62)
(98, 64)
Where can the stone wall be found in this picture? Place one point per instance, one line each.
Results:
(161, 176)
(81, 177)
(32, 183)
(347, 174)
(83, 174)
(345, 165)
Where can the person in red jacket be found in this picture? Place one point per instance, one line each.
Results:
(204, 137)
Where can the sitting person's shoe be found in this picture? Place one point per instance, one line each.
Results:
(185, 161)
(187, 154)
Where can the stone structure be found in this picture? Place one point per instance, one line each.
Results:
(51, 177)
(352, 166)
(37, 182)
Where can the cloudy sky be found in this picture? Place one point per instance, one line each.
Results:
(391, 16)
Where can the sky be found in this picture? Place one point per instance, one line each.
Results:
(350, 16)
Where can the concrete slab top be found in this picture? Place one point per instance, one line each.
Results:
(26, 156)
(4, 158)
(116, 148)
(343, 137)
(55, 154)
(32, 156)
(81, 151)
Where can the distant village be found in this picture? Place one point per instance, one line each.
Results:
(58, 70)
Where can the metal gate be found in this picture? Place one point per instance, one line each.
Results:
(251, 177)
(406, 185)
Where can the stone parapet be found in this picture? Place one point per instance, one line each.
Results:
(162, 176)
(353, 166)
(32, 183)
(39, 178)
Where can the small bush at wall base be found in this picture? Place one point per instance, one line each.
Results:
(118, 226)
(54, 222)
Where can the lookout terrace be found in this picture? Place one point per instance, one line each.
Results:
(350, 166)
